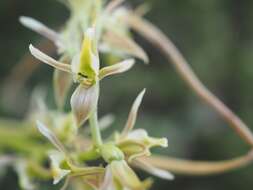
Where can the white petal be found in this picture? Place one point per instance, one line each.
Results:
(23, 175)
(50, 136)
(75, 63)
(49, 60)
(116, 68)
(138, 134)
(56, 159)
(61, 175)
(142, 135)
(84, 102)
(95, 64)
(153, 170)
(90, 33)
(133, 114)
(125, 45)
(40, 28)
(108, 183)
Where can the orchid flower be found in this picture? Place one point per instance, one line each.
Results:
(136, 143)
(85, 69)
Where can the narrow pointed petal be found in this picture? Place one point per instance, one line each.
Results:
(142, 135)
(24, 179)
(125, 44)
(61, 176)
(58, 173)
(49, 60)
(40, 28)
(62, 83)
(108, 180)
(50, 136)
(133, 114)
(116, 68)
(113, 4)
(84, 102)
(153, 170)
(127, 177)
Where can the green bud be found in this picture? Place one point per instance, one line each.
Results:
(110, 152)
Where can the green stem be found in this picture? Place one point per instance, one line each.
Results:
(89, 155)
(95, 132)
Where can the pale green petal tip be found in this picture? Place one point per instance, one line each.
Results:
(56, 159)
(29, 22)
(60, 175)
(163, 142)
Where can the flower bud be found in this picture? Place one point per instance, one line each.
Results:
(110, 152)
(84, 102)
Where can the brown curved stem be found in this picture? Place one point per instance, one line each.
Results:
(156, 37)
(187, 167)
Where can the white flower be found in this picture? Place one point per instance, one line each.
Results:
(86, 71)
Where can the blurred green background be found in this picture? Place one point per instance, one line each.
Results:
(216, 36)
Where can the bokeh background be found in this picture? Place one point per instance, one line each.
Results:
(216, 36)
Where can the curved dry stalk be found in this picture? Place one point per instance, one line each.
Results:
(187, 167)
(161, 41)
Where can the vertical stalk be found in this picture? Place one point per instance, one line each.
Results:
(95, 132)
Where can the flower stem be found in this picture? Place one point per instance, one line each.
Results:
(95, 132)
